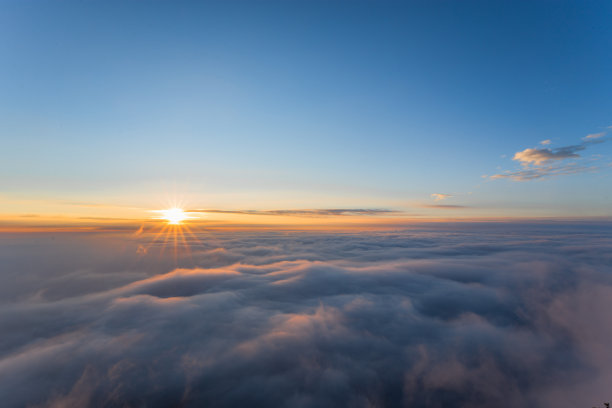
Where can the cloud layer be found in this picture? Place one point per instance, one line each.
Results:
(466, 315)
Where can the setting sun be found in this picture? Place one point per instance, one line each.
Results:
(173, 215)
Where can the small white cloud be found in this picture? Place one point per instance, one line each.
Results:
(440, 197)
(546, 142)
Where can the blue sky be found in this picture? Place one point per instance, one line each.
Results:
(295, 104)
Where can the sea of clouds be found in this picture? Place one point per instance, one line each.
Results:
(464, 315)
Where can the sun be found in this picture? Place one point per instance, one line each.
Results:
(174, 232)
(173, 215)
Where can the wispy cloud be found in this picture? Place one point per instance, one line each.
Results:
(594, 136)
(537, 163)
(546, 142)
(440, 196)
(302, 212)
(534, 173)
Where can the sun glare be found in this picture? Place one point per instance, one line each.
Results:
(174, 232)
(173, 215)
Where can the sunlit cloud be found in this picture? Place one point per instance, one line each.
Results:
(546, 142)
(539, 156)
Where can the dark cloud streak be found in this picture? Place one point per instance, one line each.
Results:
(302, 213)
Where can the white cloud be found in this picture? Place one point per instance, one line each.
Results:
(546, 142)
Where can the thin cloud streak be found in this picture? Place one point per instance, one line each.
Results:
(545, 172)
(539, 156)
(593, 136)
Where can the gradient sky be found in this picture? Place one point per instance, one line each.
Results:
(111, 108)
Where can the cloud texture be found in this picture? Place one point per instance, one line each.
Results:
(466, 315)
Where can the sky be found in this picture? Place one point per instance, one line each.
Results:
(305, 204)
(111, 109)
